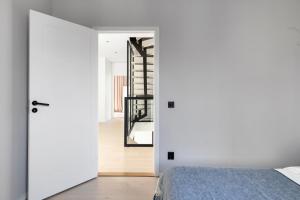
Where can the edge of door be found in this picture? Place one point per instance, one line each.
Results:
(155, 30)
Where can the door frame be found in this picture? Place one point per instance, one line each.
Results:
(155, 30)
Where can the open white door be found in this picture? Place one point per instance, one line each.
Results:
(62, 150)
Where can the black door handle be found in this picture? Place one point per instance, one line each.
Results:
(36, 103)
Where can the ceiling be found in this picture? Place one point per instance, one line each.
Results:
(113, 46)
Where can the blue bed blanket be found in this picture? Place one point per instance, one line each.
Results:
(188, 183)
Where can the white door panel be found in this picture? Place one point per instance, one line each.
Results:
(62, 137)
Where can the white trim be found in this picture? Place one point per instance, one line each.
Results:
(156, 79)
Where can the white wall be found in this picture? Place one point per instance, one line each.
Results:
(109, 90)
(101, 89)
(13, 98)
(232, 67)
(107, 71)
(119, 68)
(105, 87)
(5, 103)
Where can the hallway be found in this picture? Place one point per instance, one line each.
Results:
(115, 158)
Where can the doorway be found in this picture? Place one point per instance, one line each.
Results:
(127, 102)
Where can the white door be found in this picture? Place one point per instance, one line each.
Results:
(62, 150)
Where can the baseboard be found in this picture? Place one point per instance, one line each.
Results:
(126, 174)
(118, 115)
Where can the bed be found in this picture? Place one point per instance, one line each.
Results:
(192, 183)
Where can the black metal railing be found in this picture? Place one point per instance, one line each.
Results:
(143, 53)
(138, 103)
(137, 109)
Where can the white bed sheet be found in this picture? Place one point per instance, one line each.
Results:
(292, 173)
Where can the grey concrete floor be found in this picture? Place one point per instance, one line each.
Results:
(112, 188)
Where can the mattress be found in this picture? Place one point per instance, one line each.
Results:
(192, 183)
